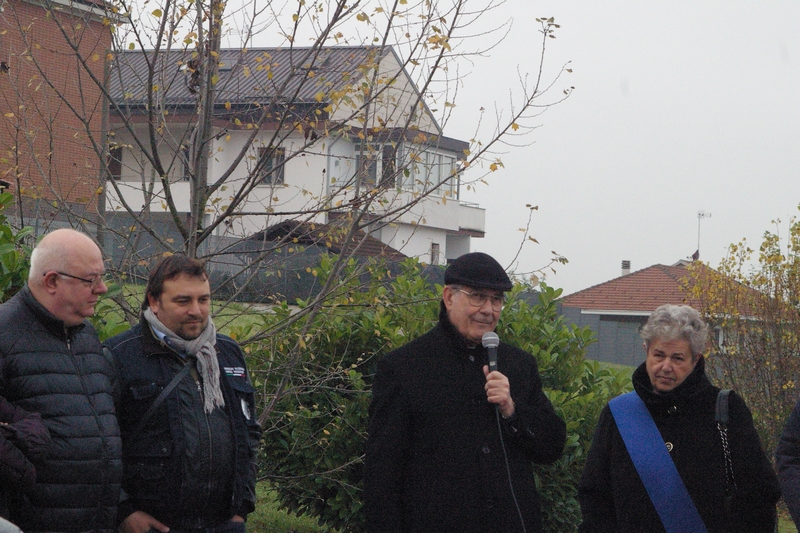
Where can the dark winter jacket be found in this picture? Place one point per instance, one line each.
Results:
(62, 374)
(787, 457)
(187, 468)
(613, 498)
(435, 460)
(23, 438)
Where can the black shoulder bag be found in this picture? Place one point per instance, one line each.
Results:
(721, 418)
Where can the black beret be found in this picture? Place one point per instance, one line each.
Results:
(477, 270)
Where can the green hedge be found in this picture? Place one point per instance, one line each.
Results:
(315, 435)
(14, 254)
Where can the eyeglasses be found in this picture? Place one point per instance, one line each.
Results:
(94, 282)
(477, 299)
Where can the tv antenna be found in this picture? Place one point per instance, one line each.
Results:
(700, 216)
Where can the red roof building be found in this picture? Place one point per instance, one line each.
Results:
(617, 309)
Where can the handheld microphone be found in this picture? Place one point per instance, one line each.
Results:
(491, 341)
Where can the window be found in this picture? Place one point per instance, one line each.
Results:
(271, 164)
(389, 165)
(378, 161)
(719, 338)
(115, 162)
(434, 253)
(427, 170)
(445, 176)
(368, 164)
(187, 168)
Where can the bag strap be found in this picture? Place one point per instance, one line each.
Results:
(649, 454)
(721, 414)
(721, 417)
(161, 397)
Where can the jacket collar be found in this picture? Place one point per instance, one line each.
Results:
(681, 396)
(458, 343)
(151, 345)
(54, 325)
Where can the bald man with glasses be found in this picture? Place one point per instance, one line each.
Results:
(52, 363)
(450, 442)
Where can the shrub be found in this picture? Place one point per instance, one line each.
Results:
(14, 253)
(315, 432)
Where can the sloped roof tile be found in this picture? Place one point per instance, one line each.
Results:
(246, 75)
(640, 291)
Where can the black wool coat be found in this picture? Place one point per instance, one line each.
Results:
(613, 498)
(434, 459)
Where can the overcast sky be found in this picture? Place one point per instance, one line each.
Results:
(678, 107)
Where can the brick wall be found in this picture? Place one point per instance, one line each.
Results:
(45, 132)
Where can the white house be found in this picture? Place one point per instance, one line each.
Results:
(293, 139)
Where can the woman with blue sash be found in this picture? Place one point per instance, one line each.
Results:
(658, 458)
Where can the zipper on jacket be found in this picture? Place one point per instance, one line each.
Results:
(196, 376)
(101, 435)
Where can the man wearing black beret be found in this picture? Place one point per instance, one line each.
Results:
(450, 443)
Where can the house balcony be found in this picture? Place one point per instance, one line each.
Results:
(471, 219)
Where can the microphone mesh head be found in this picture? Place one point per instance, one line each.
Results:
(490, 340)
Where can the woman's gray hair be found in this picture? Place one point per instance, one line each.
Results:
(670, 322)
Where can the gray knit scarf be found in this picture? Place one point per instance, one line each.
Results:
(203, 351)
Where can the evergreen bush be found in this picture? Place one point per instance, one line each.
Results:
(315, 432)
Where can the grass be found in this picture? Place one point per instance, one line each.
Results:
(268, 518)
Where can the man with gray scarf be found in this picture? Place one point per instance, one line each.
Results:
(186, 411)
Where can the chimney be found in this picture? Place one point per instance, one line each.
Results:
(626, 267)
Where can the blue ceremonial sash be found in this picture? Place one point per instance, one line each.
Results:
(654, 465)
